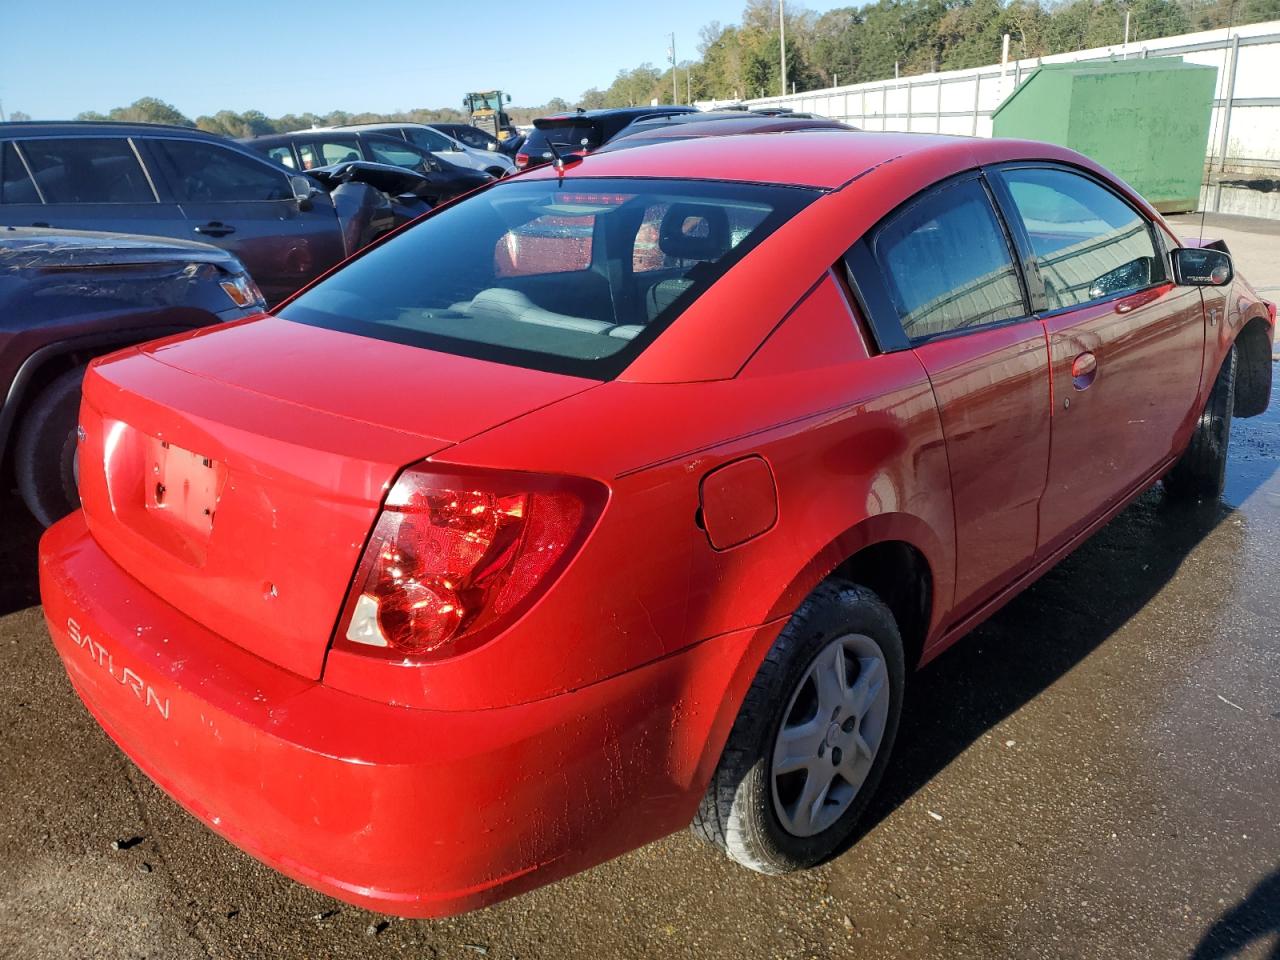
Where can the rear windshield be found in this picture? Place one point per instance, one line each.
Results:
(566, 140)
(574, 276)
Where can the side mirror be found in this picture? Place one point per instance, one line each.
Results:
(508, 98)
(303, 190)
(1201, 267)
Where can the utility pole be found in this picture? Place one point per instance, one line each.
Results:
(1125, 54)
(782, 43)
(675, 90)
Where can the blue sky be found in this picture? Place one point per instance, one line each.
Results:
(59, 57)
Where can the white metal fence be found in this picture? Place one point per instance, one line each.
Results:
(1245, 129)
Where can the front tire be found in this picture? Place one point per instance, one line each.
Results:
(1200, 472)
(813, 736)
(45, 454)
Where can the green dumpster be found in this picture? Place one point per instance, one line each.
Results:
(1146, 120)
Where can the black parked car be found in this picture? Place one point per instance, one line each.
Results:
(68, 296)
(311, 149)
(173, 182)
(689, 126)
(582, 131)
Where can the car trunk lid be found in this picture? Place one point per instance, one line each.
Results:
(237, 472)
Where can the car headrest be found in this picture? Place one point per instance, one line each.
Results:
(694, 231)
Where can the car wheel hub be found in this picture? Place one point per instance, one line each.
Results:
(830, 735)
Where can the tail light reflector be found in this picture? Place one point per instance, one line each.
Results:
(522, 160)
(456, 557)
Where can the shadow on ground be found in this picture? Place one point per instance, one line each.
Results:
(1252, 921)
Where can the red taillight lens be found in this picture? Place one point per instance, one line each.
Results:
(522, 160)
(454, 557)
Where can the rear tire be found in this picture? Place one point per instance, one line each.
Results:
(1201, 470)
(45, 454)
(761, 808)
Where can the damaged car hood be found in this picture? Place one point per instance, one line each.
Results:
(39, 248)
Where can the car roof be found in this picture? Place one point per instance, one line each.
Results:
(619, 112)
(826, 159)
(87, 128)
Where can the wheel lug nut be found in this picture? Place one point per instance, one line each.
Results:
(849, 724)
(835, 756)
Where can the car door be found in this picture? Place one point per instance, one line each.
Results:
(939, 277)
(246, 205)
(1125, 345)
(83, 183)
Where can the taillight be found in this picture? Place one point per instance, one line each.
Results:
(1271, 312)
(522, 160)
(455, 557)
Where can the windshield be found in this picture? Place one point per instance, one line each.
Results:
(575, 276)
(485, 101)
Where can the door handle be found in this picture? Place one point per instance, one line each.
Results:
(215, 228)
(1084, 369)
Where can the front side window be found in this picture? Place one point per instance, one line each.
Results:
(209, 173)
(91, 170)
(542, 273)
(337, 151)
(429, 140)
(397, 153)
(1089, 243)
(947, 264)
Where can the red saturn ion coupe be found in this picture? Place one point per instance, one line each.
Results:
(625, 495)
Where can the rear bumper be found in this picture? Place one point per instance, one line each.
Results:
(409, 812)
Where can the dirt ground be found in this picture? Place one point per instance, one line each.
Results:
(1095, 773)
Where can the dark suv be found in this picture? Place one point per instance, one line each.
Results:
(171, 182)
(582, 131)
(67, 296)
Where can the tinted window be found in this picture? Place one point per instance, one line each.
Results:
(566, 140)
(206, 172)
(535, 272)
(1090, 244)
(102, 170)
(428, 139)
(947, 264)
(15, 182)
(397, 153)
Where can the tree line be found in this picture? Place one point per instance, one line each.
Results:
(875, 41)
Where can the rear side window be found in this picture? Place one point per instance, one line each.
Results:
(541, 273)
(947, 264)
(1089, 243)
(92, 170)
(206, 172)
(15, 183)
